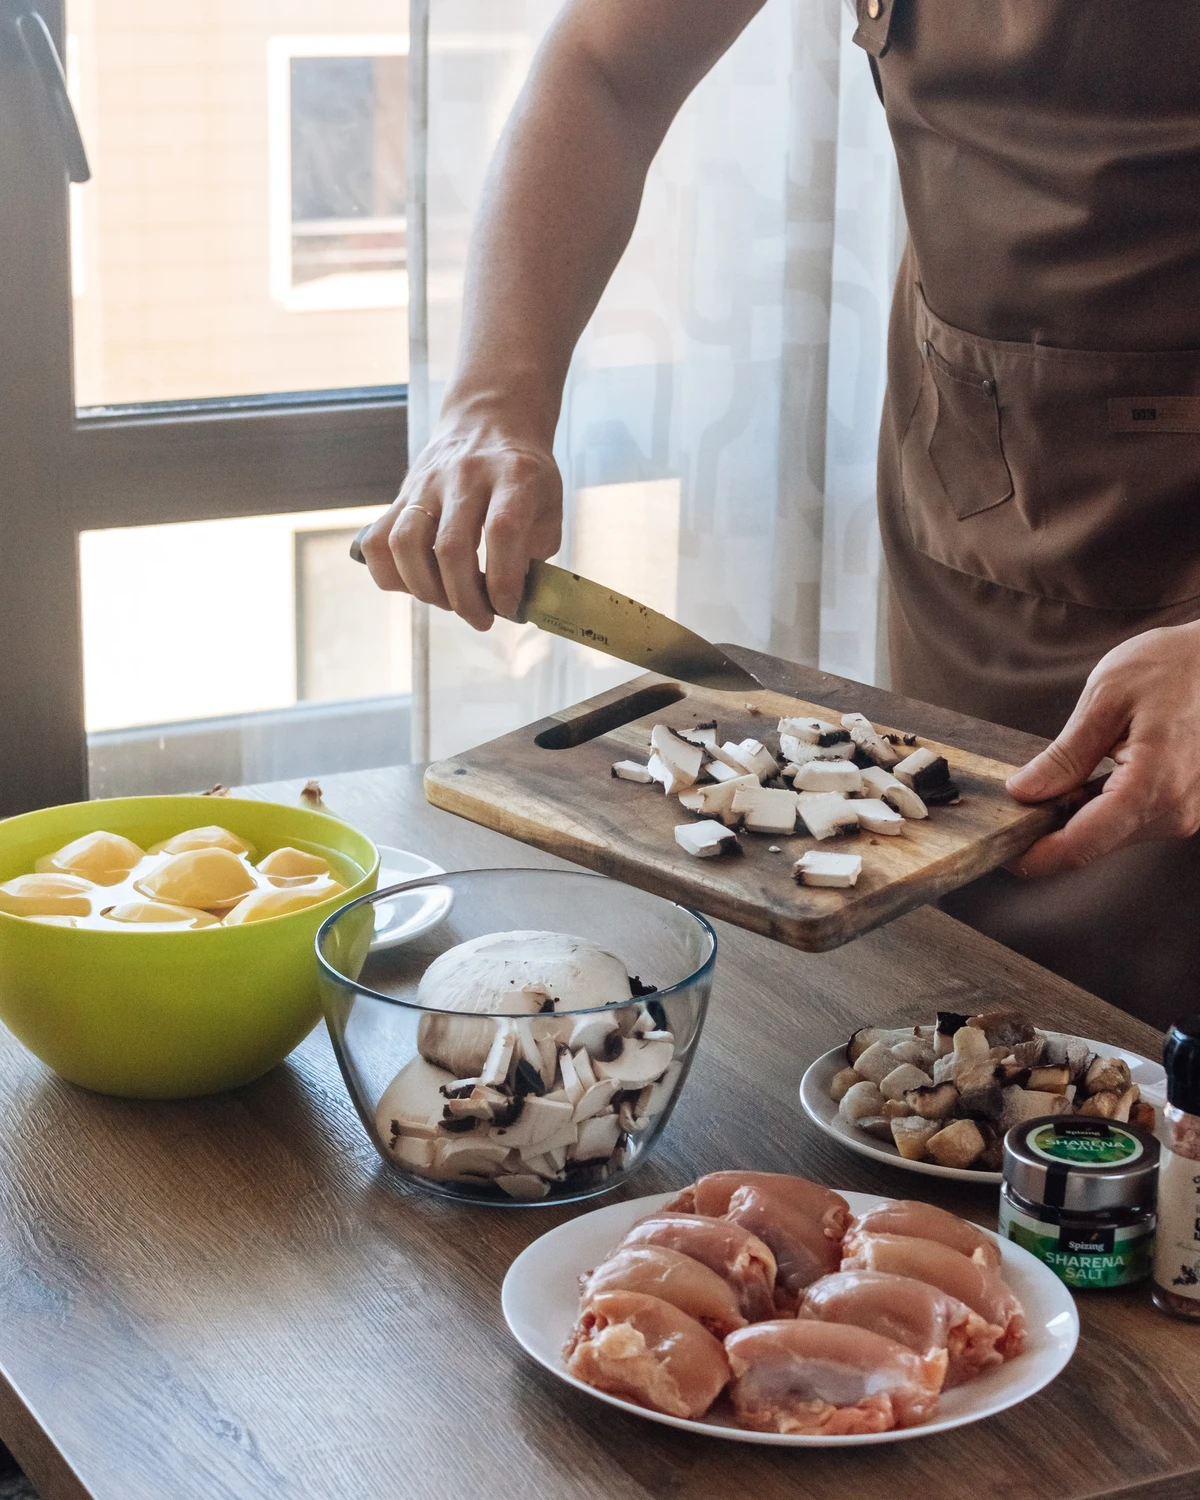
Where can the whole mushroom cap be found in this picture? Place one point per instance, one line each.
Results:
(516, 973)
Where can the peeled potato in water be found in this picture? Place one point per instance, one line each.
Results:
(292, 864)
(210, 837)
(271, 901)
(102, 858)
(203, 878)
(160, 913)
(46, 895)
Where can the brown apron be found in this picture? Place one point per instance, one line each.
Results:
(1039, 474)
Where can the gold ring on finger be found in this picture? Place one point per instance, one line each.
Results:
(428, 514)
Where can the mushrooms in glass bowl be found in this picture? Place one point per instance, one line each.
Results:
(515, 1036)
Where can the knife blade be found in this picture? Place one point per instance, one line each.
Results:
(573, 607)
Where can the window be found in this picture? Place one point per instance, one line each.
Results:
(338, 135)
(181, 455)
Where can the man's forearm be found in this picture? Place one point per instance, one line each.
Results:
(563, 193)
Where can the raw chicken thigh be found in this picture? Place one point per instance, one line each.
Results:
(735, 1254)
(951, 1272)
(644, 1350)
(711, 1196)
(923, 1221)
(685, 1283)
(913, 1313)
(802, 1250)
(828, 1378)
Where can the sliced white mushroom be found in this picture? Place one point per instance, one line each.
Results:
(597, 1138)
(882, 784)
(460, 1044)
(525, 1187)
(640, 1061)
(876, 816)
(813, 731)
(719, 770)
(829, 776)
(573, 1085)
(826, 813)
(590, 1032)
(655, 1096)
(417, 1152)
(471, 1155)
(706, 840)
(543, 1165)
(500, 1055)
(583, 1067)
(868, 739)
(716, 801)
(704, 735)
(674, 762)
(765, 809)
(801, 753)
(540, 1120)
(818, 868)
(632, 770)
(753, 756)
(548, 1051)
(595, 1100)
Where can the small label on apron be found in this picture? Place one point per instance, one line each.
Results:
(1154, 414)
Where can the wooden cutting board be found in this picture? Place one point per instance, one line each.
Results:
(550, 785)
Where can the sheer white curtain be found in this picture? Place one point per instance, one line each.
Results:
(718, 432)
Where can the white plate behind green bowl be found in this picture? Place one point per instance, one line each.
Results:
(823, 1112)
(406, 916)
(540, 1298)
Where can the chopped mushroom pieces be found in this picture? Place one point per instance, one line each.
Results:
(818, 868)
(950, 1092)
(716, 799)
(872, 744)
(632, 770)
(826, 813)
(753, 756)
(674, 762)
(876, 816)
(882, 784)
(828, 776)
(765, 810)
(707, 839)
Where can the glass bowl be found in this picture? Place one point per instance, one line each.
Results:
(510, 1109)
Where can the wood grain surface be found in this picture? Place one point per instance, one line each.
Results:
(234, 1299)
(550, 785)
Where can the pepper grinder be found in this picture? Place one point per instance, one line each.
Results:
(1176, 1288)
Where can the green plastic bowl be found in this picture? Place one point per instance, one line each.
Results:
(169, 1015)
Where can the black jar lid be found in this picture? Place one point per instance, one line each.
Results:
(1181, 1058)
(1082, 1163)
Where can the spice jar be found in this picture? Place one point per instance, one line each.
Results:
(1176, 1287)
(1079, 1194)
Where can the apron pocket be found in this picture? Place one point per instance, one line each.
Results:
(1067, 474)
(964, 446)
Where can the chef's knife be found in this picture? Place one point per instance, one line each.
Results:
(579, 610)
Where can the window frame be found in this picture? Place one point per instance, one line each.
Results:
(64, 471)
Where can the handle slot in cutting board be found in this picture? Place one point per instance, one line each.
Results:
(567, 733)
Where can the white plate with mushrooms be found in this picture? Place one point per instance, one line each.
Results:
(540, 1299)
(817, 1091)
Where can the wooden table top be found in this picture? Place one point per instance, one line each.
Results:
(234, 1298)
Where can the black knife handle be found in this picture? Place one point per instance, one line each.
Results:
(356, 551)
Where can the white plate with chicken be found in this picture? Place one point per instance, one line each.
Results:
(846, 1329)
(892, 1101)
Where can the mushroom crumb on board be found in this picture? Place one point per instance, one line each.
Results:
(946, 1093)
(818, 780)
